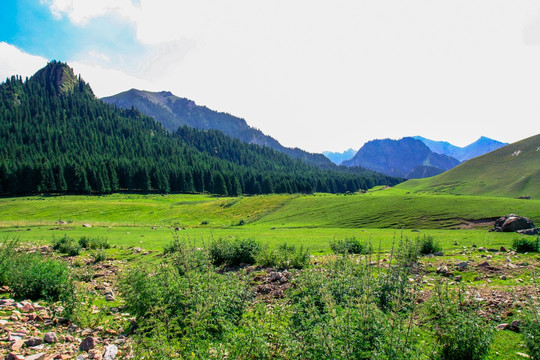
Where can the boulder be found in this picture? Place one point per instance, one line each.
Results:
(533, 231)
(512, 222)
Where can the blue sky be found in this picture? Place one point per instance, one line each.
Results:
(31, 26)
(313, 74)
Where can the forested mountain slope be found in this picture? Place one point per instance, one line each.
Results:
(56, 137)
(173, 111)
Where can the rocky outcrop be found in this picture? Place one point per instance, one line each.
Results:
(512, 223)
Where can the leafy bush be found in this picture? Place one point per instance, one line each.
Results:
(186, 257)
(99, 256)
(531, 330)
(7, 256)
(428, 246)
(461, 334)
(92, 243)
(284, 257)
(34, 277)
(348, 246)
(66, 245)
(333, 321)
(233, 252)
(183, 313)
(526, 245)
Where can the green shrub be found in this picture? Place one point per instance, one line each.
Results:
(66, 245)
(348, 246)
(461, 334)
(283, 257)
(34, 277)
(186, 257)
(99, 256)
(234, 252)
(337, 321)
(526, 245)
(7, 256)
(428, 246)
(183, 313)
(531, 330)
(92, 243)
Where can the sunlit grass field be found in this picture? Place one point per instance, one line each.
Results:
(152, 221)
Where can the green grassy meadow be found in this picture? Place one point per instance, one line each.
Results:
(149, 221)
(381, 217)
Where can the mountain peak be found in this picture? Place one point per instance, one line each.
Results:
(62, 78)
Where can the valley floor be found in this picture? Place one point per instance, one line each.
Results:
(499, 282)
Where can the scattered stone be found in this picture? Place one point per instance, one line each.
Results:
(7, 302)
(17, 345)
(34, 341)
(87, 225)
(13, 356)
(484, 264)
(50, 338)
(515, 325)
(503, 326)
(40, 356)
(27, 308)
(88, 344)
(458, 278)
(503, 277)
(463, 265)
(443, 270)
(439, 253)
(503, 249)
(110, 352)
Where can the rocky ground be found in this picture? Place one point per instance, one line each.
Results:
(501, 281)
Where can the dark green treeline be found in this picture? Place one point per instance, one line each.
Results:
(56, 137)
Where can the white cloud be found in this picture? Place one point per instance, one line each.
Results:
(329, 76)
(16, 62)
(80, 12)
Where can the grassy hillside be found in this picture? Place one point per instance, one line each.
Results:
(390, 208)
(499, 173)
(394, 208)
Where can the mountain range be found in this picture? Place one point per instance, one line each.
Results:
(510, 171)
(481, 146)
(173, 111)
(57, 137)
(338, 157)
(406, 158)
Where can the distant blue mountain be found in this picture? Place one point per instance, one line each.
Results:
(337, 157)
(406, 158)
(481, 146)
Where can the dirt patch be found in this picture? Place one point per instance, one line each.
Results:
(475, 224)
